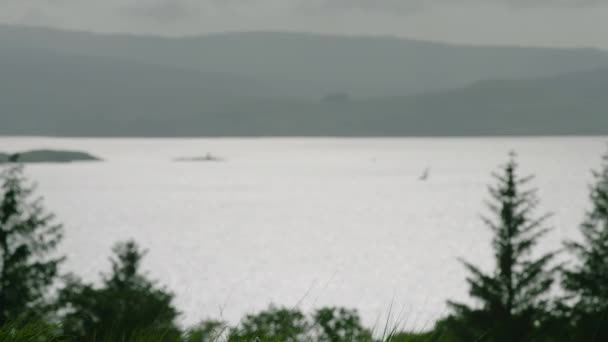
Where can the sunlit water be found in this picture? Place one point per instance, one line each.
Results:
(302, 222)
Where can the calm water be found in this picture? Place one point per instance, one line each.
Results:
(302, 222)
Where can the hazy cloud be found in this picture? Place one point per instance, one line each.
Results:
(160, 10)
(416, 5)
(173, 10)
(512, 22)
(337, 6)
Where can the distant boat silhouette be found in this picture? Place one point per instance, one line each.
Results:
(207, 157)
(425, 175)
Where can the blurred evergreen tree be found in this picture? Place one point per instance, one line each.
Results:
(513, 297)
(127, 304)
(339, 325)
(587, 281)
(28, 239)
(272, 325)
(281, 324)
(207, 331)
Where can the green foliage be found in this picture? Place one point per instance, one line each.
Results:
(127, 304)
(28, 238)
(33, 332)
(207, 331)
(282, 324)
(513, 297)
(416, 337)
(339, 325)
(587, 281)
(45, 332)
(273, 324)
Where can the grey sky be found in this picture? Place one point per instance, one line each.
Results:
(513, 22)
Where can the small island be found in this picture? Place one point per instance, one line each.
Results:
(46, 156)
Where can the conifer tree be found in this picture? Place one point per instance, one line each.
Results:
(28, 239)
(587, 281)
(127, 305)
(513, 297)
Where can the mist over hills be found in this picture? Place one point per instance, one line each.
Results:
(45, 92)
(570, 104)
(262, 84)
(318, 64)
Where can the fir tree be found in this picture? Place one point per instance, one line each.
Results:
(127, 305)
(513, 297)
(587, 281)
(28, 239)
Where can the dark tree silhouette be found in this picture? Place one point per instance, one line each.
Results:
(13, 158)
(329, 324)
(28, 239)
(339, 325)
(272, 325)
(513, 297)
(128, 304)
(587, 281)
(207, 331)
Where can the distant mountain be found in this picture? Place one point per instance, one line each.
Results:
(310, 66)
(52, 92)
(570, 104)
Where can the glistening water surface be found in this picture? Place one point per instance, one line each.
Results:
(302, 222)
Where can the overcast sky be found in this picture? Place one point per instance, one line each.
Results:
(512, 22)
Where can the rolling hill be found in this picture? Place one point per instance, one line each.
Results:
(272, 84)
(309, 66)
(46, 92)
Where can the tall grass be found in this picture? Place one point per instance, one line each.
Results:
(47, 333)
(31, 332)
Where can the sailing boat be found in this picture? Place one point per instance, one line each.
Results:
(425, 174)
